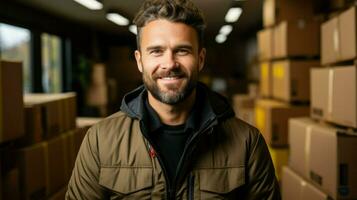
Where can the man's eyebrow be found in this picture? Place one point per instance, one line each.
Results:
(184, 46)
(153, 47)
(181, 46)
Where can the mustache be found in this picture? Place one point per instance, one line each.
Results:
(169, 73)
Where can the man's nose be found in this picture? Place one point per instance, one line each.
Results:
(169, 61)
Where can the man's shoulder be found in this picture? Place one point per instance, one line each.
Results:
(117, 120)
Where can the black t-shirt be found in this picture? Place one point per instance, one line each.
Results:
(170, 140)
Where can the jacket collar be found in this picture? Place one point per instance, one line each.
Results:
(215, 106)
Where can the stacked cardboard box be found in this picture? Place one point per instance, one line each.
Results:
(338, 38)
(324, 156)
(275, 11)
(11, 104)
(42, 170)
(48, 115)
(322, 147)
(291, 80)
(334, 91)
(42, 139)
(288, 48)
(290, 33)
(294, 187)
(272, 120)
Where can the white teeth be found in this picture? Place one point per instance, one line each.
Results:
(169, 78)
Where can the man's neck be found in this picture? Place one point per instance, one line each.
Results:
(173, 114)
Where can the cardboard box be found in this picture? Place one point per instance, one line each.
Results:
(68, 106)
(347, 30)
(97, 95)
(51, 112)
(325, 155)
(55, 160)
(265, 44)
(296, 39)
(275, 11)
(311, 192)
(58, 111)
(299, 142)
(272, 120)
(332, 164)
(98, 74)
(266, 79)
(333, 95)
(320, 93)
(344, 91)
(341, 30)
(280, 157)
(330, 42)
(31, 164)
(33, 124)
(11, 105)
(291, 80)
(294, 187)
(243, 106)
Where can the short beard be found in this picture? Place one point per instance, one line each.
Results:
(174, 95)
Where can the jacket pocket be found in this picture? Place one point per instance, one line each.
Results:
(135, 182)
(215, 183)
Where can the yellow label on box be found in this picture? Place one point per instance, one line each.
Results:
(280, 158)
(278, 71)
(260, 118)
(264, 70)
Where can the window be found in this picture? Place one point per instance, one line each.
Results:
(51, 63)
(15, 46)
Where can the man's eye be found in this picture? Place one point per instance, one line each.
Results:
(182, 51)
(156, 52)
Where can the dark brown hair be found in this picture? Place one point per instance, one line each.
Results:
(183, 11)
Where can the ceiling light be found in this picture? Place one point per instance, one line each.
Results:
(133, 29)
(233, 14)
(226, 29)
(90, 4)
(117, 19)
(220, 38)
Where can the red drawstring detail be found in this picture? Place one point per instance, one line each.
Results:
(152, 152)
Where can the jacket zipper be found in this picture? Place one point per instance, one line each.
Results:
(190, 187)
(171, 190)
(183, 160)
(151, 148)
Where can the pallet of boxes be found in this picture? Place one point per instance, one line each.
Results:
(288, 47)
(323, 147)
(39, 139)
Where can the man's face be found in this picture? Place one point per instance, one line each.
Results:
(169, 60)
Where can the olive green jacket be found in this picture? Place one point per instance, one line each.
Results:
(225, 159)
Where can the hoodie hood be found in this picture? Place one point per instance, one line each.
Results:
(215, 106)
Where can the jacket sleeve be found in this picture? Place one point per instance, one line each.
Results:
(84, 182)
(262, 182)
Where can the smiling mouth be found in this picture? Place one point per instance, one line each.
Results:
(171, 78)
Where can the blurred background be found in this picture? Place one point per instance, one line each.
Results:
(287, 67)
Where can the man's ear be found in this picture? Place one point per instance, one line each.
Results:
(138, 60)
(201, 58)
